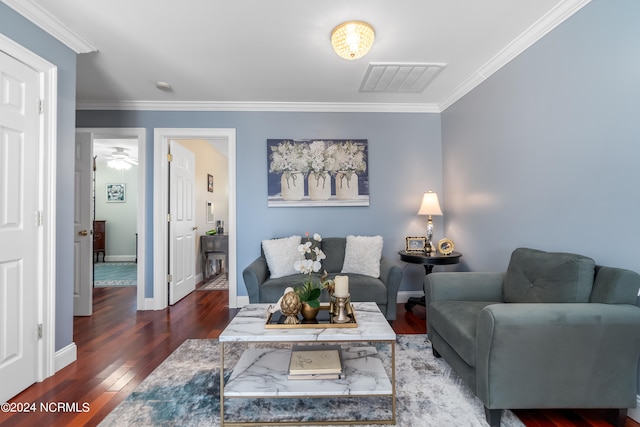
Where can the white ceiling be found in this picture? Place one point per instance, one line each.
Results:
(276, 55)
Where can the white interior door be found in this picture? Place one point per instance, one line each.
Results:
(83, 227)
(20, 226)
(182, 264)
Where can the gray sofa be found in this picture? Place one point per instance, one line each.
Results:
(554, 331)
(382, 290)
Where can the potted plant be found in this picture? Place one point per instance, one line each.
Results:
(312, 286)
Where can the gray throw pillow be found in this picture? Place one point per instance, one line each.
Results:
(538, 276)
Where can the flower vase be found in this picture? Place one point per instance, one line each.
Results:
(292, 185)
(308, 312)
(346, 185)
(319, 186)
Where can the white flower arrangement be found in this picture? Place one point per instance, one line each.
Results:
(310, 291)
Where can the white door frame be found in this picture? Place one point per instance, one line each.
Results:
(47, 201)
(141, 223)
(161, 139)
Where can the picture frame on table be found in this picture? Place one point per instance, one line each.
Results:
(415, 244)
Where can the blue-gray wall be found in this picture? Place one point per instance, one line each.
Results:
(546, 152)
(404, 161)
(23, 32)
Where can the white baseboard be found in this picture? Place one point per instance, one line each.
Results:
(403, 296)
(149, 304)
(241, 301)
(65, 356)
(634, 413)
(120, 258)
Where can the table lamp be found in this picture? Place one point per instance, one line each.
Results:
(430, 206)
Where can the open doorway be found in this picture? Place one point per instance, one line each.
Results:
(226, 141)
(118, 206)
(115, 193)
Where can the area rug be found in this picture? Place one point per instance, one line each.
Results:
(114, 274)
(184, 391)
(215, 284)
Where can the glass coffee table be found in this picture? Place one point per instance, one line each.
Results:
(262, 370)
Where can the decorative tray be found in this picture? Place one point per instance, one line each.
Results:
(324, 319)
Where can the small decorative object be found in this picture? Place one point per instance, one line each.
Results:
(209, 213)
(210, 183)
(415, 244)
(310, 291)
(341, 303)
(429, 206)
(290, 306)
(445, 246)
(116, 193)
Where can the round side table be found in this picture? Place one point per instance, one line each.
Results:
(428, 261)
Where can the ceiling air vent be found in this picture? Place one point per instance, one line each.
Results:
(399, 77)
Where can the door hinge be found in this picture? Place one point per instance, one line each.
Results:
(39, 218)
(41, 106)
(40, 331)
(169, 278)
(169, 217)
(169, 157)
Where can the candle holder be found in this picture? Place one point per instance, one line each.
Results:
(341, 316)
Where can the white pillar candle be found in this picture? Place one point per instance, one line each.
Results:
(342, 286)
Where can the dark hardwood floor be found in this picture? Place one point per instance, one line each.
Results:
(118, 347)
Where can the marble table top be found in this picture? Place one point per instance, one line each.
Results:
(249, 326)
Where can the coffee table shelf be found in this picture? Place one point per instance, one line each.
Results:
(262, 369)
(364, 375)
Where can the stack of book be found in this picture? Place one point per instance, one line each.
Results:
(315, 363)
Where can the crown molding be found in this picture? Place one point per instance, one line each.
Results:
(535, 32)
(43, 19)
(324, 107)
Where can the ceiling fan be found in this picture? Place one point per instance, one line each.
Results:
(120, 159)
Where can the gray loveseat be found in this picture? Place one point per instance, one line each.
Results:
(554, 331)
(382, 290)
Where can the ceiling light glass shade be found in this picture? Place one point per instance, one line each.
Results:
(430, 204)
(353, 39)
(118, 164)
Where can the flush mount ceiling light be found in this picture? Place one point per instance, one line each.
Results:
(353, 39)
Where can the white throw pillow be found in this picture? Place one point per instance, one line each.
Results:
(281, 255)
(362, 255)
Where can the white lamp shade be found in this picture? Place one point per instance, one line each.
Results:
(430, 204)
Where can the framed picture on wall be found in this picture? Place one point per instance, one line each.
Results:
(318, 172)
(116, 193)
(209, 213)
(210, 183)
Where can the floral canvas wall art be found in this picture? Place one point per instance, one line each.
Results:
(318, 172)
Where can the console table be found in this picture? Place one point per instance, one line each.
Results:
(216, 244)
(428, 260)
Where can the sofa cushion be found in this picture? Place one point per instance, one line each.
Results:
(548, 277)
(615, 286)
(366, 288)
(272, 289)
(362, 255)
(281, 255)
(457, 321)
(333, 248)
